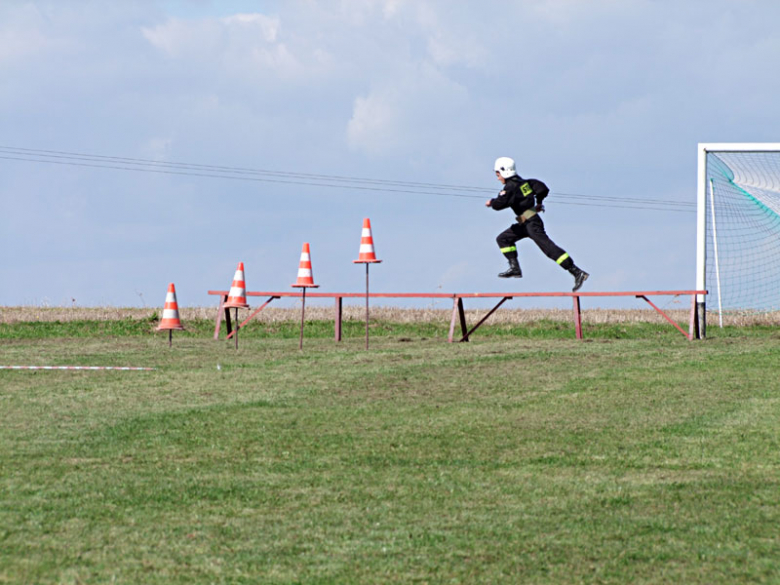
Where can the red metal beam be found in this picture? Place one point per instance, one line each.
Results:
(468, 295)
(581, 294)
(457, 309)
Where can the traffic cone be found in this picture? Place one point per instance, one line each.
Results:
(237, 295)
(305, 277)
(367, 254)
(170, 318)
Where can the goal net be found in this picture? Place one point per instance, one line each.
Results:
(738, 260)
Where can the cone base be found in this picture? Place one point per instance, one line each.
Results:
(366, 261)
(235, 306)
(169, 327)
(305, 285)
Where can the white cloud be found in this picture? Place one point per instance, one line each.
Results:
(374, 126)
(255, 23)
(412, 113)
(159, 148)
(23, 34)
(243, 46)
(213, 36)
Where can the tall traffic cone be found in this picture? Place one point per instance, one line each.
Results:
(305, 277)
(367, 254)
(170, 319)
(237, 295)
(305, 280)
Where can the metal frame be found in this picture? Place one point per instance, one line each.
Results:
(701, 215)
(458, 311)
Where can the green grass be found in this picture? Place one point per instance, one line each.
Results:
(636, 457)
(320, 329)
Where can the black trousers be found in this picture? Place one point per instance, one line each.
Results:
(534, 229)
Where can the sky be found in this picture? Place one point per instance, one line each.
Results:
(603, 100)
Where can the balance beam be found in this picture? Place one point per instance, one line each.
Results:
(458, 311)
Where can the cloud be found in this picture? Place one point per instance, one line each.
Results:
(241, 44)
(374, 125)
(179, 37)
(23, 35)
(410, 114)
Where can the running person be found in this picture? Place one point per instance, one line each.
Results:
(519, 194)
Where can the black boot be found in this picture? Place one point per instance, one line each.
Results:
(514, 270)
(580, 276)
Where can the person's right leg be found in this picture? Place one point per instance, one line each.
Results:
(537, 233)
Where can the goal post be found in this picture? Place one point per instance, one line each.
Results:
(738, 228)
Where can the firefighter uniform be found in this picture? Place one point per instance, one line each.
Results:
(524, 197)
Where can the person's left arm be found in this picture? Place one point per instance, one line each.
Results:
(540, 191)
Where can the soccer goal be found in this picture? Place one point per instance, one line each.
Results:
(738, 230)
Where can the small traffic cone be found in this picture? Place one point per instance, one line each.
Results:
(367, 254)
(170, 319)
(305, 277)
(237, 295)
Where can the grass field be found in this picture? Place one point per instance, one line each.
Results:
(523, 456)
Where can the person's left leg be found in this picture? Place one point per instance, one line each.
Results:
(535, 228)
(507, 241)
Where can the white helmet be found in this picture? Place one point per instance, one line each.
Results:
(505, 166)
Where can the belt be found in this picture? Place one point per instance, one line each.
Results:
(526, 215)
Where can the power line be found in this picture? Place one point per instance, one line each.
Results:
(315, 180)
(239, 178)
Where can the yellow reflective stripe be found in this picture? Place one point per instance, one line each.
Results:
(509, 249)
(562, 258)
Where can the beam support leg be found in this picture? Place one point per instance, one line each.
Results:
(250, 317)
(485, 318)
(665, 316)
(338, 318)
(577, 317)
(457, 311)
(693, 325)
(218, 320)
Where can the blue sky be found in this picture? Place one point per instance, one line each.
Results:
(601, 98)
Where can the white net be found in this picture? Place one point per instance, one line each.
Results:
(743, 231)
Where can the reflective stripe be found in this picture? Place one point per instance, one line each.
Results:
(562, 258)
(509, 249)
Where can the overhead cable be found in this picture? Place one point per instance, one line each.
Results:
(315, 180)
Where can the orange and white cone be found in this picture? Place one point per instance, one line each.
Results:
(367, 254)
(170, 317)
(237, 295)
(305, 277)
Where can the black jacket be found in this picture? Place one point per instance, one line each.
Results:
(519, 194)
